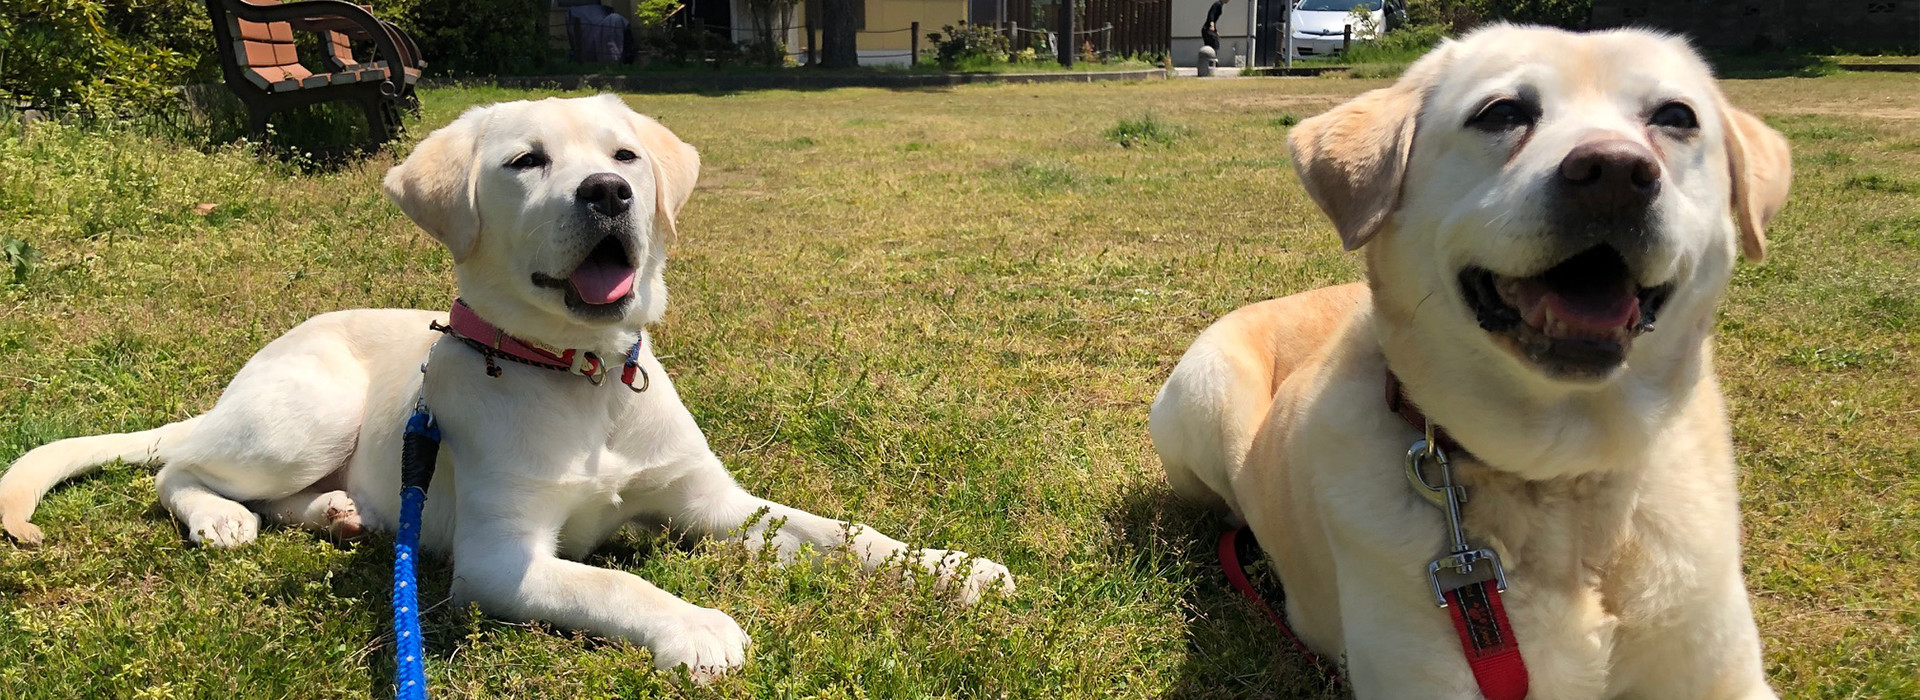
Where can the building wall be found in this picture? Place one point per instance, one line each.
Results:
(1849, 25)
(1190, 15)
(876, 39)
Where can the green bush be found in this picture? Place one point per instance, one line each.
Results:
(968, 47)
(474, 37)
(1461, 15)
(95, 56)
(177, 26)
(1403, 44)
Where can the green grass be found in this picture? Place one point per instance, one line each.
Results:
(957, 306)
(1146, 129)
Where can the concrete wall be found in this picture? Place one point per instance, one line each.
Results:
(1848, 25)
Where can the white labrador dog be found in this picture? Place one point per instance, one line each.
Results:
(536, 202)
(1528, 200)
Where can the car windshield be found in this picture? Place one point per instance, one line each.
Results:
(1338, 5)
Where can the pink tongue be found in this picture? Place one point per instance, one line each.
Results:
(599, 282)
(1595, 310)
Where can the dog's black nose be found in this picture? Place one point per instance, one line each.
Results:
(1610, 175)
(606, 193)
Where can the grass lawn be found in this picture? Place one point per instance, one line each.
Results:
(941, 312)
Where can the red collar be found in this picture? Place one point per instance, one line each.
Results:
(465, 324)
(1398, 402)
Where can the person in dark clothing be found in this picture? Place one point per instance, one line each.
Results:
(1210, 34)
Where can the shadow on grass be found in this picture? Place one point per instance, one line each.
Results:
(1749, 65)
(446, 626)
(1232, 650)
(368, 578)
(317, 139)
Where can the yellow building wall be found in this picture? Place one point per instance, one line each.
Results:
(883, 15)
(900, 14)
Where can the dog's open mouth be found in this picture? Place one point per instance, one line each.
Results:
(602, 281)
(1577, 319)
(606, 275)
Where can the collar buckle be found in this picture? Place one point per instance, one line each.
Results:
(1464, 564)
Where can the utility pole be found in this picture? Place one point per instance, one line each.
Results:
(1066, 33)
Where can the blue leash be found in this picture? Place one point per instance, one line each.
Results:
(419, 448)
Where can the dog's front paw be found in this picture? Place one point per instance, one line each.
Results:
(340, 515)
(981, 574)
(706, 641)
(223, 525)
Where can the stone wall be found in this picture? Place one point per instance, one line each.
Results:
(1846, 25)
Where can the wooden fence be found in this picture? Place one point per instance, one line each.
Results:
(1138, 27)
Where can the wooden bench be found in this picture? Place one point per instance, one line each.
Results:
(261, 61)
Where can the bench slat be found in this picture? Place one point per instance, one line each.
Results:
(262, 31)
(259, 54)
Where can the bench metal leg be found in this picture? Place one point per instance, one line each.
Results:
(378, 126)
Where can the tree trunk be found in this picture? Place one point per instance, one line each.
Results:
(837, 48)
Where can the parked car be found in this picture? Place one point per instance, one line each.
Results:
(1320, 26)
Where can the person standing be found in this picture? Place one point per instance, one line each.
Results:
(1210, 34)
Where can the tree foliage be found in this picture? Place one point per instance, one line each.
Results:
(474, 37)
(101, 56)
(1460, 15)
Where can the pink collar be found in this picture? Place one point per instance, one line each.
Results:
(465, 324)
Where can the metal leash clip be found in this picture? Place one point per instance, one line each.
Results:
(1464, 565)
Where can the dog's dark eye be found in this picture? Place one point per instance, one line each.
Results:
(528, 161)
(1502, 115)
(624, 155)
(1675, 115)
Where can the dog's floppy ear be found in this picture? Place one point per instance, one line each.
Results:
(435, 185)
(676, 167)
(1762, 170)
(1353, 158)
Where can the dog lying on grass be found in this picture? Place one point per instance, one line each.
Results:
(1529, 200)
(557, 214)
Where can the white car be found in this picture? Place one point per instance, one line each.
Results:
(1319, 26)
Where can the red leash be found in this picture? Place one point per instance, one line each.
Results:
(1479, 616)
(1237, 575)
(1487, 639)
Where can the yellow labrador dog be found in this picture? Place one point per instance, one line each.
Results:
(557, 214)
(1529, 200)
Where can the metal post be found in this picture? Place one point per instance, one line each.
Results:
(1253, 32)
(1286, 32)
(1248, 63)
(913, 44)
(1064, 30)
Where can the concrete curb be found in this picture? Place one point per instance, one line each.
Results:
(798, 80)
(1296, 71)
(1882, 67)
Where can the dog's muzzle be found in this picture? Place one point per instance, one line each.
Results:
(1575, 320)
